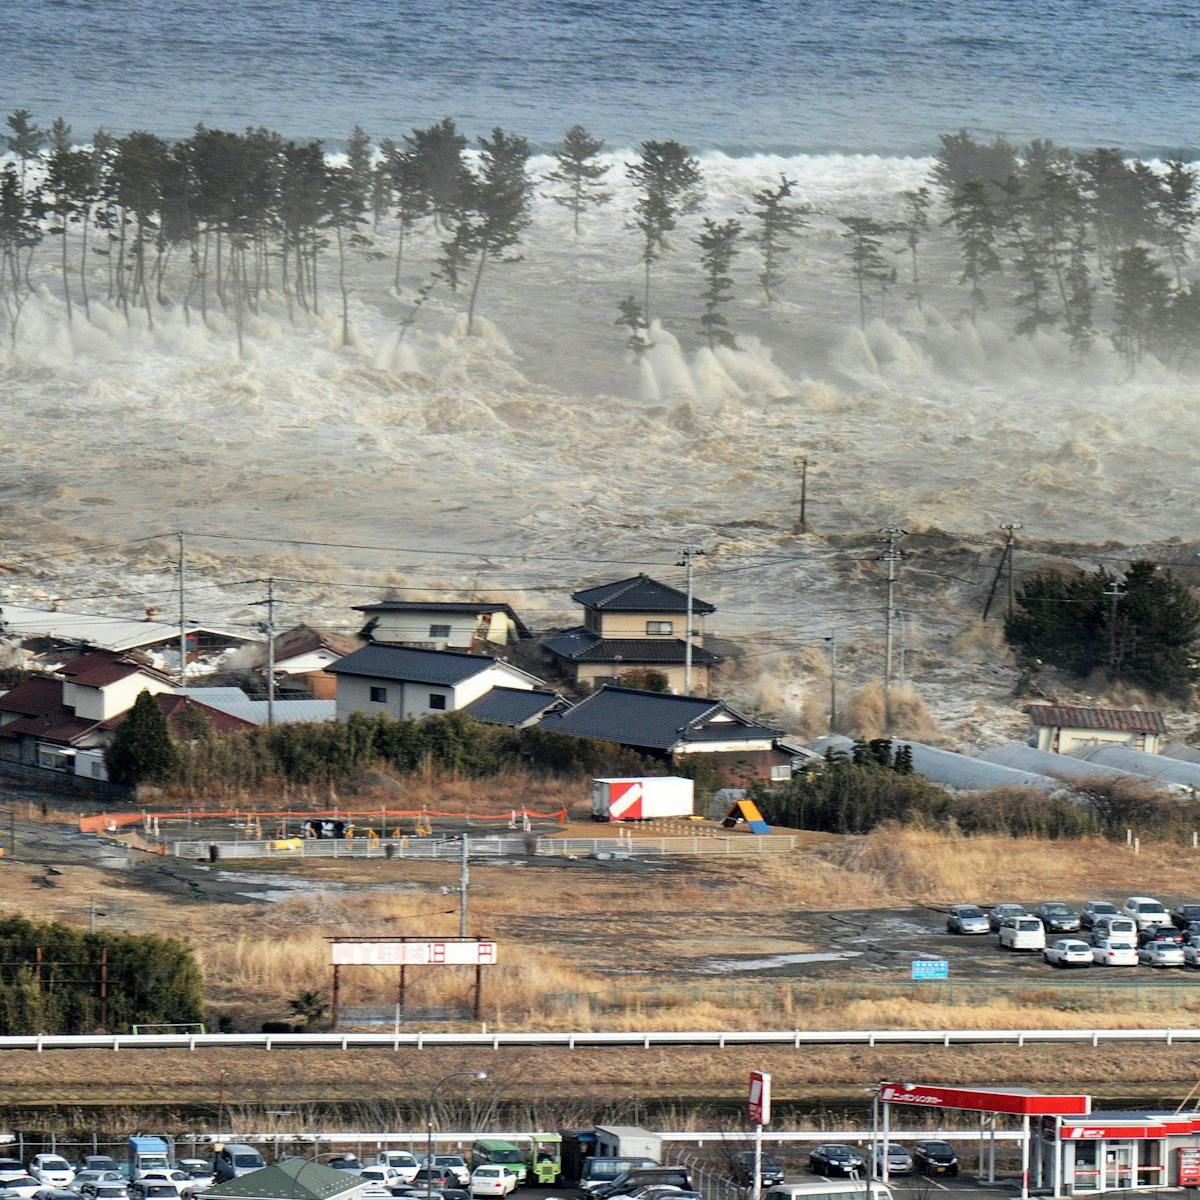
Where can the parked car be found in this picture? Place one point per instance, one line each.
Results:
(181, 1179)
(492, 1180)
(832, 1158)
(600, 1170)
(1146, 911)
(350, 1163)
(637, 1179)
(1108, 952)
(1068, 952)
(236, 1159)
(379, 1182)
(52, 1170)
(55, 1193)
(153, 1189)
(401, 1161)
(1162, 933)
(967, 918)
(1094, 909)
(1116, 928)
(97, 1162)
(1184, 914)
(23, 1187)
(1162, 953)
(457, 1164)
(199, 1171)
(89, 1175)
(1022, 933)
(439, 1177)
(899, 1161)
(11, 1168)
(1191, 952)
(935, 1158)
(741, 1169)
(1058, 917)
(1001, 913)
(106, 1189)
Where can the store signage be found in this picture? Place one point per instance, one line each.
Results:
(923, 1095)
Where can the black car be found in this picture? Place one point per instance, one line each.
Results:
(1184, 914)
(1058, 917)
(935, 1158)
(1161, 933)
(443, 1178)
(741, 1169)
(832, 1158)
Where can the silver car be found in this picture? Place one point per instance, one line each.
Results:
(899, 1161)
(967, 918)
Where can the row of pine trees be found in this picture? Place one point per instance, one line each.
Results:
(224, 220)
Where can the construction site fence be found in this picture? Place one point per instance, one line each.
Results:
(110, 822)
(529, 845)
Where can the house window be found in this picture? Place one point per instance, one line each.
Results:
(781, 772)
(660, 628)
(437, 702)
(439, 631)
(378, 695)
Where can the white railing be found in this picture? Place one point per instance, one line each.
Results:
(489, 847)
(794, 1038)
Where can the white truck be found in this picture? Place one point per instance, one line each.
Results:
(646, 798)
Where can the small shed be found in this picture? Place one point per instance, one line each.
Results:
(289, 1179)
(627, 1141)
(1064, 728)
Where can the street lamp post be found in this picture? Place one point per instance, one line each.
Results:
(478, 1076)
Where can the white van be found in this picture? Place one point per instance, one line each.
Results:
(828, 1189)
(1122, 930)
(403, 1163)
(1022, 933)
(1146, 911)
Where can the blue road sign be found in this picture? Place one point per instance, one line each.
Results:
(930, 968)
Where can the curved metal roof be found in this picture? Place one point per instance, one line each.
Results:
(1023, 757)
(1150, 766)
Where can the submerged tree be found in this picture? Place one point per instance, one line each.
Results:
(1141, 298)
(24, 139)
(914, 227)
(868, 268)
(779, 219)
(69, 187)
(408, 186)
(580, 173)
(20, 233)
(669, 184)
(975, 225)
(632, 318)
(1177, 208)
(437, 153)
(344, 202)
(718, 244)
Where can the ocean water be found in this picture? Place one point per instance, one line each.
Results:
(743, 76)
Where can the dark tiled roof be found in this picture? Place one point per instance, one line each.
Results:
(405, 663)
(450, 607)
(103, 667)
(582, 645)
(654, 720)
(639, 594)
(33, 697)
(511, 706)
(174, 707)
(1126, 720)
(289, 1179)
(304, 639)
(59, 725)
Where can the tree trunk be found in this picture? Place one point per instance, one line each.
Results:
(121, 289)
(342, 288)
(87, 312)
(916, 281)
(646, 300)
(862, 303)
(220, 274)
(204, 280)
(399, 253)
(315, 298)
(475, 292)
(66, 278)
(237, 299)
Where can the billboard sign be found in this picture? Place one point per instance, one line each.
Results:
(930, 968)
(760, 1098)
(431, 953)
(1015, 1100)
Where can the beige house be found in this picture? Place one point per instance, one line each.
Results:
(1062, 728)
(480, 627)
(631, 627)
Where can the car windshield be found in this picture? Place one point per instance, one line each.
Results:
(247, 1160)
(1150, 906)
(838, 1151)
(55, 1164)
(449, 1160)
(969, 910)
(1057, 910)
(937, 1148)
(1027, 926)
(160, 1189)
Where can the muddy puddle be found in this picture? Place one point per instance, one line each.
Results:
(724, 966)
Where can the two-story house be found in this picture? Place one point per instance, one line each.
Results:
(405, 682)
(479, 626)
(630, 627)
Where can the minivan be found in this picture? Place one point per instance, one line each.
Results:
(1116, 929)
(1146, 911)
(636, 1178)
(600, 1171)
(829, 1189)
(1022, 933)
(235, 1159)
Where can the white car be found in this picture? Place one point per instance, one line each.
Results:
(181, 1181)
(401, 1162)
(492, 1180)
(199, 1171)
(52, 1170)
(378, 1182)
(1146, 911)
(456, 1164)
(1161, 954)
(11, 1168)
(1068, 952)
(1109, 953)
(1022, 933)
(24, 1186)
(1116, 929)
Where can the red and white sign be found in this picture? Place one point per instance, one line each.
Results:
(1096, 1133)
(625, 800)
(760, 1098)
(430, 953)
(1032, 1104)
(1189, 1166)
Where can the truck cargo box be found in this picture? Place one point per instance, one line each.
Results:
(646, 798)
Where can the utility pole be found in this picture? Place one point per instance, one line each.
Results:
(464, 882)
(182, 617)
(802, 463)
(902, 620)
(1010, 546)
(687, 557)
(267, 628)
(891, 555)
(1114, 592)
(833, 670)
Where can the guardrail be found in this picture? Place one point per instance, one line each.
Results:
(791, 1038)
(488, 847)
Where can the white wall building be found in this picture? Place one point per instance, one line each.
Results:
(1062, 728)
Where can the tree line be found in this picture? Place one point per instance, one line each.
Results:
(1067, 229)
(225, 220)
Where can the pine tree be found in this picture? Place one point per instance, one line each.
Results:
(779, 221)
(914, 227)
(499, 205)
(718, 244)
(1079, 320)
(20, 232)
(142, 750)
(868, 268)
(1177, 208)
(579, 173)
(632, 317)
(24, 139)
(68, 187)
(975, 224)
(139, 161)
(412, 199)
(1141, 298)
(1029, 259)
(669, 184)
(344, 204)
(438, 154)
(962, 160)
(358, 159)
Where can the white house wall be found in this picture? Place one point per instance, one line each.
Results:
(1072, 739)
(302, 664)
(414, 627)
(98, 704)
